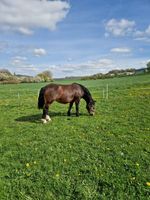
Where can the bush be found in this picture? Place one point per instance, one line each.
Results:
(45, 76)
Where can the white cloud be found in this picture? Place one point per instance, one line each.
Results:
(18, 60)
(22, 58)
(121, 50)
(100, 63)
(142, 35)
(26, 15)
(124, 27)
(25, 31)
(142, 39)
(144, 62)
(82, 69)
(147, 31)
(138, 33)
(39, 52)
(119, 27)
(20, 65)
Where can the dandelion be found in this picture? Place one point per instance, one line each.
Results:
(27, 165)
(65, 160)
(121, 153)
(137, 164)
(148, 184)
(28, 174)
(57, 175)
(133, 178)
(34, 162)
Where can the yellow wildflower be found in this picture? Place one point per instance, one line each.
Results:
(27, 165)
(148, 184)
(28, 174)
(133, 178)
(137, 164)
(57, 175)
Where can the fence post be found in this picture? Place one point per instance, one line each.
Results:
(103, 93)
(107, 92)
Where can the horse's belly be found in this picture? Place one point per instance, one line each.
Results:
(62, 101)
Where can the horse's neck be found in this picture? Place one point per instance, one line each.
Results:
(86, 94)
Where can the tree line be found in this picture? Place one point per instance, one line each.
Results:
(119, 73)
(7, 77)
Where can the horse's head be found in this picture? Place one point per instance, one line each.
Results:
(91, 107)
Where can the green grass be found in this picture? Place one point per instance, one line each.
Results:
(86, 158)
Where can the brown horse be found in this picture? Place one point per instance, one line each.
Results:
(64, 94)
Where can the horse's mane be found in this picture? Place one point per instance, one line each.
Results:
(87, 94)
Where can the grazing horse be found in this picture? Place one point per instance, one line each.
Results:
(64, 94)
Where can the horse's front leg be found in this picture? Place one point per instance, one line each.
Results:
(70, 106)
(77, 107)
(45, 116)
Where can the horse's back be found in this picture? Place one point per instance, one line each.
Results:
(62, 93)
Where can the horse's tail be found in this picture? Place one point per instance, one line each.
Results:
(41, 98)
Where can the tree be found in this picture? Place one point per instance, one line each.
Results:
(5, 71)
(148, 66)
(46, 76)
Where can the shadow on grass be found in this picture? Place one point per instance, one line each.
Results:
(37, 118)
(29, 118)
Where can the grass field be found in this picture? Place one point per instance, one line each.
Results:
(85, 158)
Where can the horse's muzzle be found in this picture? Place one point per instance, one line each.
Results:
(92, 113)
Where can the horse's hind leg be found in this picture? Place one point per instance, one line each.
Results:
(45, 116)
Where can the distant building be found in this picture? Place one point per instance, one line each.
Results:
(140, 71)
(130, 73)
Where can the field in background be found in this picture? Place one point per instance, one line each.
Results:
(102, 157)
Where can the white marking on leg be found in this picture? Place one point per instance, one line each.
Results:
(48, 118)
(44, 121)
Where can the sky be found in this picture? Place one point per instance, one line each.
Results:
(73, 37)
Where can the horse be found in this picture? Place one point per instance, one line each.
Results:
(64, 94)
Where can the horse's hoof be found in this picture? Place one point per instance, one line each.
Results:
(48, 118)
(44, 121)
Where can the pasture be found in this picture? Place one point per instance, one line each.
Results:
(106, 156)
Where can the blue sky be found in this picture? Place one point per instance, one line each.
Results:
(74, 38)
